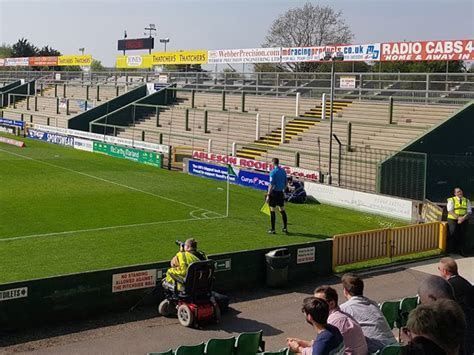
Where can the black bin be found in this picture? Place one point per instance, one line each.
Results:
(277, 267)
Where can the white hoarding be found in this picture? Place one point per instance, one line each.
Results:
(361, 201)
(248, 55)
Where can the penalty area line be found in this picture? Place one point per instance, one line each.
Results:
(123, 226)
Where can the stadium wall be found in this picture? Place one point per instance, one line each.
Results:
(81, 121)
(35, 302)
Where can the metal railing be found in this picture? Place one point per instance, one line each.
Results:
(443, 88)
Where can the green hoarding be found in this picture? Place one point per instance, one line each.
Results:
(135, 155)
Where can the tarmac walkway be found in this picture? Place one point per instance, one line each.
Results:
(277, 312)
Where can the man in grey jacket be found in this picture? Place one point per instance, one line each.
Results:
(367, 313)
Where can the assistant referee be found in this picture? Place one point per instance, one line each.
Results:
(275, 195)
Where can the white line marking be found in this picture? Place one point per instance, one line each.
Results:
(105, 228)
(108, 181)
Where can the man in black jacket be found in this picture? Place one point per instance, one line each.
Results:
(464, 293)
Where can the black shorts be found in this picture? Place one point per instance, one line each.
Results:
(276, 198)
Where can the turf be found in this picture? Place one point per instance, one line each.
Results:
(64, 211)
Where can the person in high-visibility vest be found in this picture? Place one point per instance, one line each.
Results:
(187, 255)
(459, 209)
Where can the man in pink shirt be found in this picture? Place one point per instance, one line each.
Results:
(354, 339)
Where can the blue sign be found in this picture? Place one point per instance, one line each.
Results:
(218, 172)
(51, 137)
(13, 123)
(210, 171)
(252, 179)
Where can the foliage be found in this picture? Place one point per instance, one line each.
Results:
(309, 25)
(96, 65)
(454, 66)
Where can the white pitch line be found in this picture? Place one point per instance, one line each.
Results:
(105, 228)
(108, 181)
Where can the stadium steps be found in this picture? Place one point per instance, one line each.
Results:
(292, 129)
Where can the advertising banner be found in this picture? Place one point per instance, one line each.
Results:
(185, 57)
(2, 62)
(135, 155)
(83, 144)
(245, 178)
(133, 280)
(14, 142)
(210, 171)
(253, 179)
(12, 123)
(9, 130)
(431, 212)
(138, 61)
(248, 55)
(75, 60)
(360, 52)
(161, 148)
(306, 174)
(305, 54)
(428, 50)
(42, 61)
(51, 137)
(16, 62)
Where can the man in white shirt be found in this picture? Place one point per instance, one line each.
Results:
(459, 209)
(366, 312)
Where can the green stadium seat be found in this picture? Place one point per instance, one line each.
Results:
(169, 352)
(392, 349)
(391, 312)
(190, 349)
(220, 346)
(249, 343)
(406, 306)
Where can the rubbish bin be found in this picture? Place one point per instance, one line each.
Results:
(277, 267)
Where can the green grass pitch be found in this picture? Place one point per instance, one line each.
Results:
(65, 211)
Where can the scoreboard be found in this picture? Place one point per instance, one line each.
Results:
(136, 43)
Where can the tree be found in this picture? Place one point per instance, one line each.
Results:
(310, 25)
(96, 65)
(454, 66)
(48, 52)
(23, 48)
(5, 50)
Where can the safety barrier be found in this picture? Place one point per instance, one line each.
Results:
(387, 243)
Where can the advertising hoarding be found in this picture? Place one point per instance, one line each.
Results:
(247, 55)
(428, 50)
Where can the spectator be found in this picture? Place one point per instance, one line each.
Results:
(435, 328)
(367, 313)
(295, 192)
(433, 288)
(459, 209)
(354, 340)
(186, 255)
(328, 338)
(464, 293)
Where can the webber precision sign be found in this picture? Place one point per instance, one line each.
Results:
(428, 50)
(248, 55)
(135, 155)
(306, 174)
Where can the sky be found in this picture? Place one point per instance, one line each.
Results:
(68, 25)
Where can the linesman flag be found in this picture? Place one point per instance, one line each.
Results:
(265, 209)
(231, 171)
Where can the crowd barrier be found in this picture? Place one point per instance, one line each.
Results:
(351, 248)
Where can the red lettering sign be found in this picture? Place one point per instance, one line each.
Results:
(42, 61)
(428, 50)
